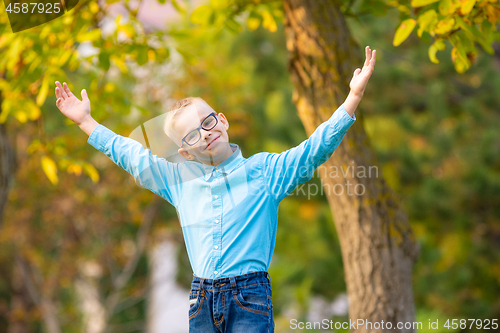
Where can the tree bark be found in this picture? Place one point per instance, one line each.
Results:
(7, 166)
(377, 242)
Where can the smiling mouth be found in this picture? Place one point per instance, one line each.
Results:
(210, 144)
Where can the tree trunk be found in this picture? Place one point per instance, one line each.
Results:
(377, 242)
(7, 167)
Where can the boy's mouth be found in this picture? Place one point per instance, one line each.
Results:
(209, 145)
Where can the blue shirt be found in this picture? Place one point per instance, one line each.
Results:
(228, 213)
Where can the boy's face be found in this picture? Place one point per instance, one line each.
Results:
(213, 145)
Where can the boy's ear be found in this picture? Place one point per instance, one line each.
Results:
(224, 121)
(184, 153)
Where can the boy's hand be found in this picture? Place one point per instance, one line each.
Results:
(71, 106)
(361, 76)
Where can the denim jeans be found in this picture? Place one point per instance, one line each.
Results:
(237, 304)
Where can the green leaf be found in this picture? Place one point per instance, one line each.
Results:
(104, 62)
(403, 31)
(232, 25)
(50, 169)
(470, 29)
(458, 54)
(201, 15)
(420, 3)
(142, 55)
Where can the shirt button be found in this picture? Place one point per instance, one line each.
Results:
(216, 272)
(216, 221)
(216, 247)
(216, 196)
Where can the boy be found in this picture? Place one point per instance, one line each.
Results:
(227, 204)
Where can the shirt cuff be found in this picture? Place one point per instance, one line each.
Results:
(100, 137)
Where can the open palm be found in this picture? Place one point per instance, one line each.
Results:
(361, 76)
(73, 108)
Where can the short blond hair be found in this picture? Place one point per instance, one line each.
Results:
(175, 109)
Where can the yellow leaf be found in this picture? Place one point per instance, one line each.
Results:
(403, 31)
(437, 45)
(219, 4)
(91, 172)
(420, 3)
(444, 25)
(42, 94)
(89, 36)
(94, 7)
(447, 7)
(427, 21)
(269, 23)
(253, 23)
(50, 169)
(467, 6)
(75, 168)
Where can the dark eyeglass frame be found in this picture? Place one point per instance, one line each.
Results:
(214, 114)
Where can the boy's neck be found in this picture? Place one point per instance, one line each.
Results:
(216, 163)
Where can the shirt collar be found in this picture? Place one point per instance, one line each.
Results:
(228, 165)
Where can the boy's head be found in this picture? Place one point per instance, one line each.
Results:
(209, 143)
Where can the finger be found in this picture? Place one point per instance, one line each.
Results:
(85, 97)
(357, 71)
(374, 55)
(58, 103)
(59, 89)
(63, 93)
(63, 90)
(66, 89)
(58, 93)
(368, 55)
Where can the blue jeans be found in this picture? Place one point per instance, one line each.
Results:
(237, 304)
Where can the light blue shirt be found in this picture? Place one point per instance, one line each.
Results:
(228, 213)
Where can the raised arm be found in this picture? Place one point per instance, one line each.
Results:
(284, 172)
(153, 173)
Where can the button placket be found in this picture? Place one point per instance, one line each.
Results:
(217, 226)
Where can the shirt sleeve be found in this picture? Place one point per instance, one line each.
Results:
(156, 174)
(285, 171)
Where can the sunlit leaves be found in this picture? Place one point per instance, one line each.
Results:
(403, 31)
(427, 21)
(473, 20)
(444, 25)
(225, 14)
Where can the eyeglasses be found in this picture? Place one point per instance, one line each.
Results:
(195, 135)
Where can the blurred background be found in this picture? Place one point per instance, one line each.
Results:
(84, 249)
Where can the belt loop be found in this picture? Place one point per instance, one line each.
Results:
(233, 285)
(202, 291)
(269, 277)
